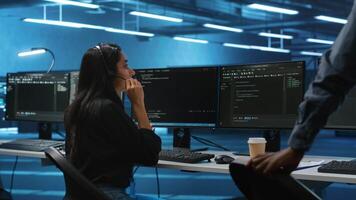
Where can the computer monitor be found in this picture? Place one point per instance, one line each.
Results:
(74, 78)
(2, 93)
(262, 96)
(40, 97)
(345, 116)
(3, 123)
(180, 97)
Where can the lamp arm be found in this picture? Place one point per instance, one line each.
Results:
(53, 60)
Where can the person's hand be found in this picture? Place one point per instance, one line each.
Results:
(134, 91)
(284, 161)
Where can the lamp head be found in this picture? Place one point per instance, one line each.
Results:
(36, 51)
(33, 51)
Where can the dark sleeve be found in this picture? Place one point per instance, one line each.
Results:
(134, 145)
(335, 77)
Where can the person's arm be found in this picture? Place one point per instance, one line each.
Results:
(335, 77)
(140, 113)
(134, 145)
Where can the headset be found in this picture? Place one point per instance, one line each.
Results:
(99, 46)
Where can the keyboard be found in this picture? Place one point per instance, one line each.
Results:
(32, 144)
(184, 156)
(339, 167)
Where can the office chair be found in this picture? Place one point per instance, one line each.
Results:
(88, 189)
(257, 186)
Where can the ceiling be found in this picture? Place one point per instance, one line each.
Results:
(232, 13)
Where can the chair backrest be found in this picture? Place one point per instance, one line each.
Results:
(256, 186)
(87, 188)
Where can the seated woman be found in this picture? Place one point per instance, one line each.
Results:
(102, 141)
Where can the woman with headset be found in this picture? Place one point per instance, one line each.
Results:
(102, 140)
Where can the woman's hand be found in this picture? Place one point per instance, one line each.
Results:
(134, 91)
(136, 95)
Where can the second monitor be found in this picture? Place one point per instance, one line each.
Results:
(36, 96)
(261, 95)
(180, 97)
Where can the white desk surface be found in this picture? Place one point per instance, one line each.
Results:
(304, 174)
(311, 174)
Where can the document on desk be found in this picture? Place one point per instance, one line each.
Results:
(242, 160)
(302, 165)
(309, 163)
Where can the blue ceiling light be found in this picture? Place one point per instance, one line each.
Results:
(271, 49)
(331, 19)
(115, 30)
(224, 28)
(89, 26)
(319, 41)
(311, 53)
(274, 35)
(153, 16)
(62, 23)
(273, 9)
(184, 39)
(75, 3)
(240, 46)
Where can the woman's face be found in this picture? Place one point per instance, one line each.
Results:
(123, 72)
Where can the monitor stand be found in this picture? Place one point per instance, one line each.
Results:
(45, 130)
(273, 139)
(181, 139)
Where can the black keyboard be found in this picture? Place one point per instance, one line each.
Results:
(184, 156)
(32, 144)
(339, 167)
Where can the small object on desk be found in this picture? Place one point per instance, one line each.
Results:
(339, 167)
(184, 156)
(223, 159)
(308, 164)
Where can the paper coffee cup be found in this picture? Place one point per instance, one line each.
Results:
(257, 146)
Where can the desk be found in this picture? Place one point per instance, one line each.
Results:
(309, 174)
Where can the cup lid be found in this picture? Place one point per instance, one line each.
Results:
(257, 140)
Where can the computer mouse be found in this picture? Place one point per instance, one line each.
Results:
(223, 159)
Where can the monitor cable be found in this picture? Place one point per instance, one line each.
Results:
(61, 134)
(13, 174)
(133, 183)
(158, 186)
(209, 143)
(135, 170)
(58, 132)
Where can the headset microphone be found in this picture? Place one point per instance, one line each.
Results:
(120, 77)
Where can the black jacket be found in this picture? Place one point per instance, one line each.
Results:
(109, 144)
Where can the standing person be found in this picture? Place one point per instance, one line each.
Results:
(102, 141)
(335, 77)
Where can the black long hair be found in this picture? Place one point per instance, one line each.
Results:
(96, 79)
